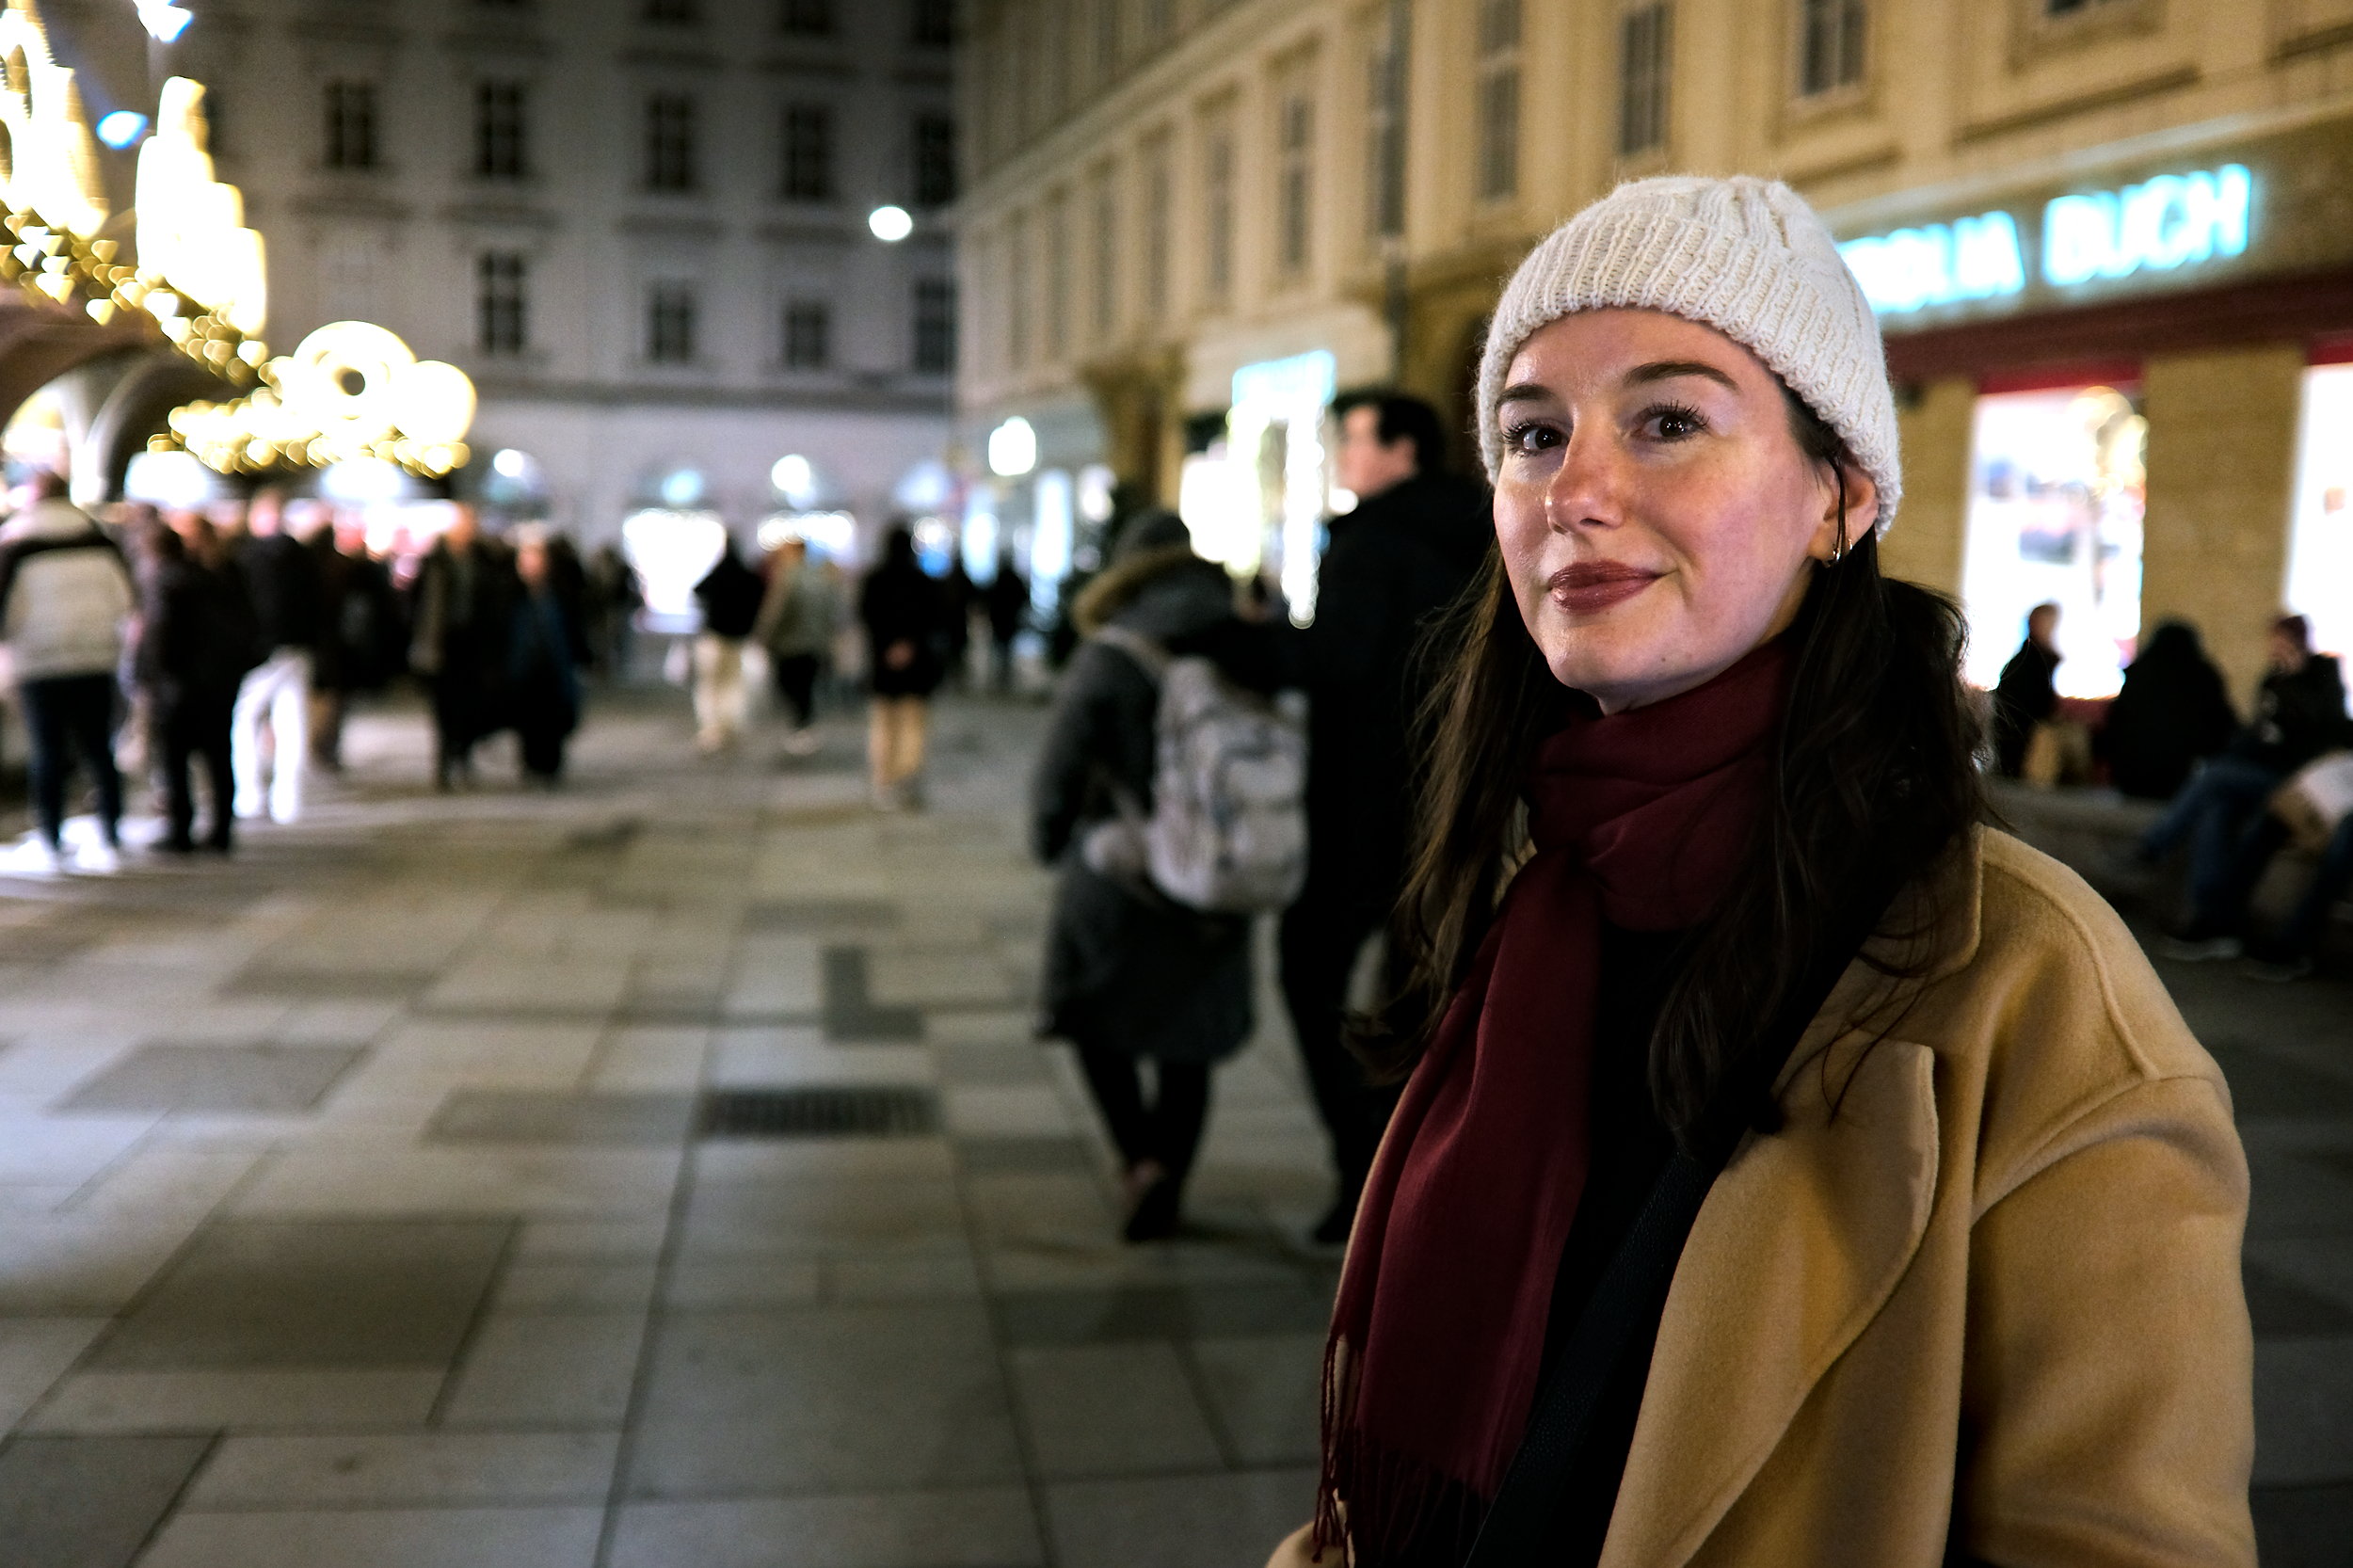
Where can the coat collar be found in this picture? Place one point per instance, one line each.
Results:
(1803, 1238)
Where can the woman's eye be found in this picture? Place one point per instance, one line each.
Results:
(1531, 437)
(1675, 424)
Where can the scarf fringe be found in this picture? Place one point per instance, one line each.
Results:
(1377, 1508)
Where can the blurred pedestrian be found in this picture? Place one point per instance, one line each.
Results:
(196, 638)
(2300, 714)
(613, 599)
(1405, 552)
(270, 733)
(796, 627)
(360, 638)
(465, 599)
(2173, 714)
(906, 620)
(1130, 975)
(1007, 597)
(544, 660)
(66, 598)
(729, 595)
(958, 596)
(2026, 695)
(2289, 952)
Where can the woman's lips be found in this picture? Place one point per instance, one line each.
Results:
(1592, 587)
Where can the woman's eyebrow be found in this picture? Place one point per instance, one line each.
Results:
(1526, 392)
(1667, 370)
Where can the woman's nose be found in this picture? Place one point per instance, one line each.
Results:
(1585, 490)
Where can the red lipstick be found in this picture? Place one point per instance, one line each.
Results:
(1589, 587)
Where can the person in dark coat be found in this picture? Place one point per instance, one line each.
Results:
(2173, 713)
(543, 663)
(729, 595)
(359, 633)
(2025, 695)
(1129, 975)
(1007, 597)
(906, 616)
(957, 595)
(196, 640)
(2300, 714)
(465, 599)
(1415, 540)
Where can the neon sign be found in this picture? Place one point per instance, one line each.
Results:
(2174, 221)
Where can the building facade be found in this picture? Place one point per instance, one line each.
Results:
(2111, 242)
(641, 225)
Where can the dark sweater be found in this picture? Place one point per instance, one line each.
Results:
(1629, 1147)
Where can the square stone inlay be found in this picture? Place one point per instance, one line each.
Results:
(87, 1502)
(527, 1116)
(261, 1080)
(821, 1111)
(325, 1294)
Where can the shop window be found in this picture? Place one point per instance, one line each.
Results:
(670, 312)
(1645, 49)
(808, 153)
(2056, 492)
(501, 302)
(1830, 45)
(351, 141)
(669, 143)
(1499, 99)
(2320, 546)
(500, 130)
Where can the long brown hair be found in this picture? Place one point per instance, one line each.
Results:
(1875, 776)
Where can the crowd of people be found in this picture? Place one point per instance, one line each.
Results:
(2171, 734)
(220, 648)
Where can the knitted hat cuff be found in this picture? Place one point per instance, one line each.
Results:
(1744, 256)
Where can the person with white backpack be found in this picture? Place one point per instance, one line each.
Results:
(1170, 794)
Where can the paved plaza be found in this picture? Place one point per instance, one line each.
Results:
(660, 1175)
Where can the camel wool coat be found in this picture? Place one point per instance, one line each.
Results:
(1989, 1311)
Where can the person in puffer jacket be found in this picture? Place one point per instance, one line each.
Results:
(65, 601)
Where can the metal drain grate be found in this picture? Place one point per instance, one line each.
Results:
(837, 1111)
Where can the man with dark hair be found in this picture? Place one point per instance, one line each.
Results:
(1407, 551)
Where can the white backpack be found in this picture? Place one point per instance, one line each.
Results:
(1229, 829)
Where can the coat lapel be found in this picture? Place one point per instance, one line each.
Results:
(1801, 1241)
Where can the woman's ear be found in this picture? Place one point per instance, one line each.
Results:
(1849, 496)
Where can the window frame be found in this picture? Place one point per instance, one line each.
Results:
(503, 303)
(673, 322)
(806, 324)
(352, 123)
(932, 335)
(806, 164)
(932, 158)
(502, 147)
(672, 152)
(1646, 97)
(1851, 31)
(1499, 113)
(1295, 192)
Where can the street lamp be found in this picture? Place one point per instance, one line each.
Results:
(890, 224)
(1011, 449)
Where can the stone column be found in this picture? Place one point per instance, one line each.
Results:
(2222, 480)
(1926, 544)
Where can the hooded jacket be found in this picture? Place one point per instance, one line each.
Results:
(65, 592)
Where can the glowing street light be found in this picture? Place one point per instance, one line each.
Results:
(890, 224)
(1011, 449)
(164, 20)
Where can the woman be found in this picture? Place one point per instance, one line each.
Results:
(901, 608)
(796, 626)
(1131, 976)
(1963, 1283)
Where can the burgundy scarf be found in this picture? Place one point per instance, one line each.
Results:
(1638, 819)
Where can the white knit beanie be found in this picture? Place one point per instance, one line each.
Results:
(1745, 256)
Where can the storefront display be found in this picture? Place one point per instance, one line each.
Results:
(2320, 546)
(2056, 494)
